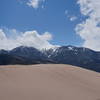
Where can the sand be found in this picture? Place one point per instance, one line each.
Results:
(48, 82)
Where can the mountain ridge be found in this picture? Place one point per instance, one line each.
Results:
(78, 56)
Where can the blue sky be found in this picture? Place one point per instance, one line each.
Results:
(52, 18)
(59, 17)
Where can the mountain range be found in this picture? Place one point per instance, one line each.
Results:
(78, 56)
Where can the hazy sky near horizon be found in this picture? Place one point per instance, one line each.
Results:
(50, 22)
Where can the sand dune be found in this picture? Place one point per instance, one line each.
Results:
(48, 82)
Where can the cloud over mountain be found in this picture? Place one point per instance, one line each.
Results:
(89, 30)
(28, 38)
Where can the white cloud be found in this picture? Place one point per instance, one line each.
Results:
(46, 36)
(73, 18)
(28, 38)
(2, 35)
(70, 17)
(34, 3)
(89, 29)
(66, 12)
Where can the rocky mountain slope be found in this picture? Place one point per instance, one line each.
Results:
(78, 56)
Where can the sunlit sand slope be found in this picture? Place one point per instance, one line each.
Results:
(48, 82)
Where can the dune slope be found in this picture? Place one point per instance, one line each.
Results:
(48, 82)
